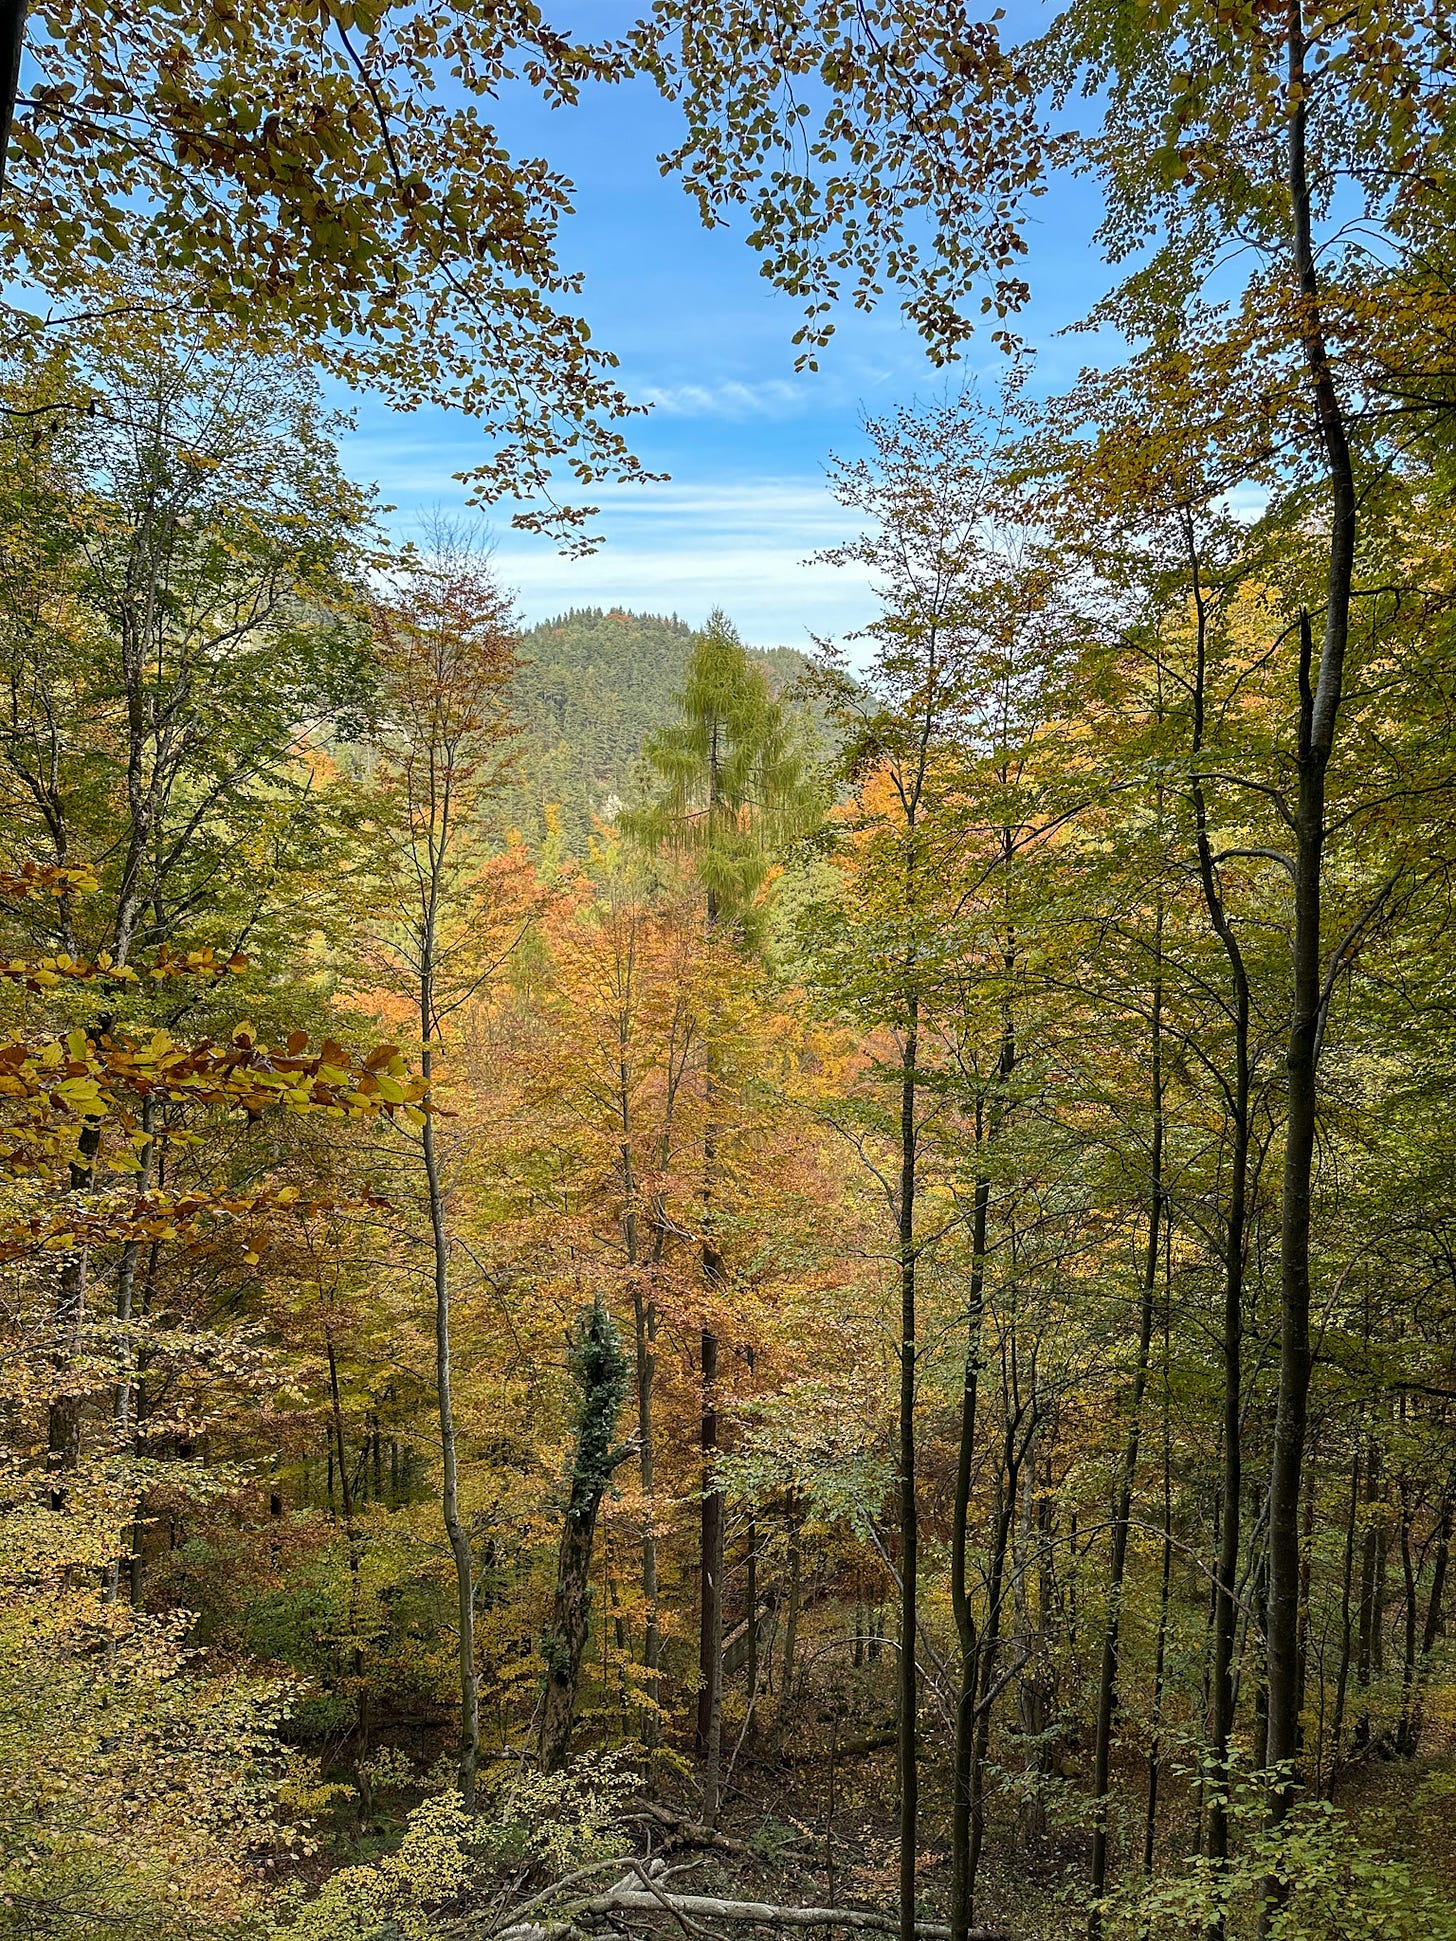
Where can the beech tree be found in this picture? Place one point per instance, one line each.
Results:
(307, 176)
(447, 653)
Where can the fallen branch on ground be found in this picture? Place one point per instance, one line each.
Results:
(683, 1832)
(636, 1893)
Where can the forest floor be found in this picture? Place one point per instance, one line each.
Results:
(823, 1831)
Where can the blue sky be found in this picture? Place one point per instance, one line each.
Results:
(706, 341)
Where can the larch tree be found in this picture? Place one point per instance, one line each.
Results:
(731, 784)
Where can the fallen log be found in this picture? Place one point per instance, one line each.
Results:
(624, 1899)
(645, 1891)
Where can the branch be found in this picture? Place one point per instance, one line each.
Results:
(628, 1900)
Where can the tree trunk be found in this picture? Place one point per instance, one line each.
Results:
(1225, 1591)
(962, 1908)
(962, 1891)
(794, 1604)
(1431, 1629)
(1155, 1750)
(709, 1734)
(1318, 720)
(710, 1631)
(600, 1371)
(354, 1548)
(1306, 1573)
(750, 1597)
(1371, 1540)
(644, 1315)
(455, 1531)
(909, 1517)
(1107, 1682)
(1342, 1683)
(986, 1669)
(124, 1402)
(1408, 1655)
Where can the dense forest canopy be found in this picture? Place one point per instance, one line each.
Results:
(656, 1285)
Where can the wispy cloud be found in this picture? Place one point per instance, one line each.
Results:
(776, 600)
(729, 398)
(684, 545)
(748, 546)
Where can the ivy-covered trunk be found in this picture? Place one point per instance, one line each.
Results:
(599, 1369)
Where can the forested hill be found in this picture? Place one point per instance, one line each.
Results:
(591, 687)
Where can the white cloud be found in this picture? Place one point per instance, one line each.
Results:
(773, 593)
(684, 546)
(729, 398)
(685, 549)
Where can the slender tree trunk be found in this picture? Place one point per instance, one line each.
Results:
(1306, 1573)
(709, 1735)
(1318, 719)
(355, 1549)
(710, 1635)
(1155, 1750)
(794, 1603)
(1431, 1629)
(1225, 1616)
(962, 1892)
(455, 1530)
(1408, 1654)
(989, 1659)
(1371, 1539)
(124, 1403)
(750, 1597)
(909, 1516)
(1225, 1596)
(1200, 1783)
(1342, 1683)
(644, 1315)
(962, 1911)
(1107, 1682)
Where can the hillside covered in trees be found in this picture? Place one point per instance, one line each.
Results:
(590, 688)
(654, 1289)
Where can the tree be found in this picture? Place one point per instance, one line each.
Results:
(598, 1368)
(732, 784)
(936, 741)
(447, 652)
(177, 628)
(307, 178)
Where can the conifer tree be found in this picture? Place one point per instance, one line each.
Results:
(733, 784)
